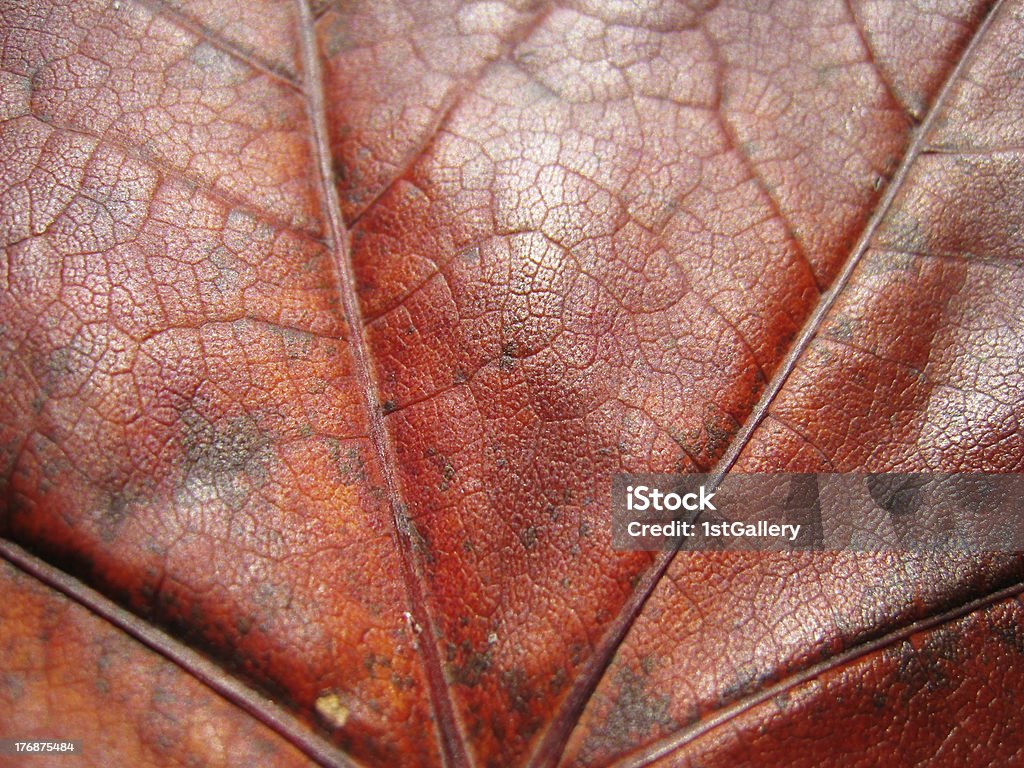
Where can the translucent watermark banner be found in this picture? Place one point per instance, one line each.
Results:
(906, 512)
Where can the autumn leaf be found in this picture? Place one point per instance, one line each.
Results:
(324, 328)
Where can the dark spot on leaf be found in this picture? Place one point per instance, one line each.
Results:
(557, 681)
(529, 537)
(421, 543)
(447, 473)
(1010, 633)
(717, 436)
(341, 171)
(350, 463)
(507, 361)
(745, 682)
(516, 686)
(468, 673)
(12, 685)
(112, 517)
(840, 329)
(927, 667)
(782, 701)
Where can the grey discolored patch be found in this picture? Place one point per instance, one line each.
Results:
(210, 61)
(105, 664)
(12, 686)
(350, 463)
(298, 345)
(228, 268)
(639, 710)
(226, 460)
(274, 599)
(782, 701)
(337, 35)
(111, 518)
(840, 328)
(68, 367)
(243, 625)
(558, 681)
(902, 231)
(244, 229)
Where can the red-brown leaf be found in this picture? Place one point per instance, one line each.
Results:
(324, 329)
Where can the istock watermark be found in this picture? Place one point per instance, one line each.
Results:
(921, 512)
(640, 498)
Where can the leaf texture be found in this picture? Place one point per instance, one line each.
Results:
(324, 328)
(67, 672)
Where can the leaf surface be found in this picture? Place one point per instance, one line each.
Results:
(324, 329)
(68, 674)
